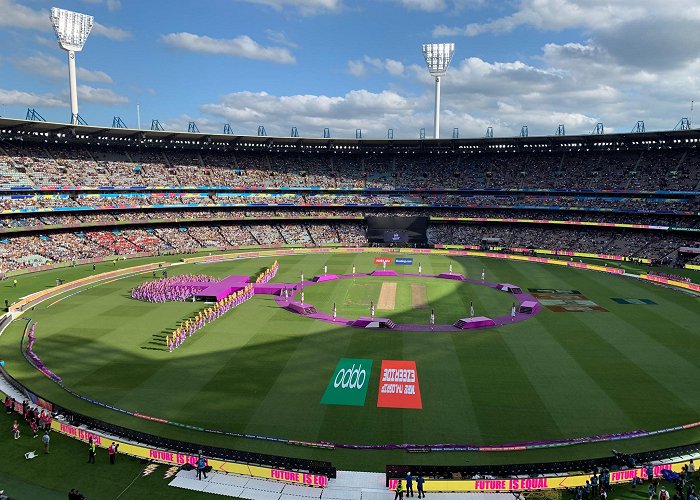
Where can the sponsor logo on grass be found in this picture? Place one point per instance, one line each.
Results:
(398, 385)
(404, 261)
(565, 300)
(348, 385)
(382, 260)
(638, 302)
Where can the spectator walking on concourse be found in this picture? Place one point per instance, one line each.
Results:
(91, 451)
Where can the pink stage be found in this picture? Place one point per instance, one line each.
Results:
(300, 308)
(507, 287)
(224, 288)
(325, 277)
(384, 272)
(528, 307)
(451, 276)
(365, 322)
(271, 288)
(476, 322)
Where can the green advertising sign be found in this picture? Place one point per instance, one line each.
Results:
(348, 385)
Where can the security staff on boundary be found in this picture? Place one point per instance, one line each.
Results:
(91, 451)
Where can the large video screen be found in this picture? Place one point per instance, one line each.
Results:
(405, 230)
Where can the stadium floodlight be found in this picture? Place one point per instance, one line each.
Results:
(72, 29)
(437, 57)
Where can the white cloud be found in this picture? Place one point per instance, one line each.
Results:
(359, 68)
(372, 112)
(52, 67)
(630, 60)
(453, 6)
(279, 38)
(100, 96)
(476, 94)
(114, 5)
(241, 46)
(18, 97)
(111, 32)
(576, 84)
(306, 7)
(15, 15)
(182, 122)
(424, 5)
(557, 15)
(46, 41)
(393, 67)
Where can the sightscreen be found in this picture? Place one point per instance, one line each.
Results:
(407, 230)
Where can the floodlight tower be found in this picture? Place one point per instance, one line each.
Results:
(437, 57)
(72, 29)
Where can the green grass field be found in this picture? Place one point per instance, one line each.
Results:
(263, 370)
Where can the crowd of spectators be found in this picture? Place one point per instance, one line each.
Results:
(25, 163)
(546, 204)
(674, 277)
(28, 251)
(18, 252)
(627, 243)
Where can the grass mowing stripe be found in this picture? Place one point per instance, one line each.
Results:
(662, 339)
(568, 381)
(502, 393)
(614, 332)
(459, 406)
(249, 387)
(557, 374)
(671, 340)
(625, 378)
(292, 403)
(670, 304)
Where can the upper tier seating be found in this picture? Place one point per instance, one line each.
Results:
(41, 165)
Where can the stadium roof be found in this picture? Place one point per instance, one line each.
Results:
(62, 132)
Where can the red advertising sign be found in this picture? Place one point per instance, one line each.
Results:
(398, 385)
(382, 260)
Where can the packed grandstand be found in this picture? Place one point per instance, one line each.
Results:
(121, 193)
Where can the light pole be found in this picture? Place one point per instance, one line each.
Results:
(437, 57)
(72, 29)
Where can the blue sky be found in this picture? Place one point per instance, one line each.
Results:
(347, 64)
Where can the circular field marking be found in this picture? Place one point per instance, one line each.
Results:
(306, 309)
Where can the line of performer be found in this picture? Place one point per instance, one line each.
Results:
(191, 325)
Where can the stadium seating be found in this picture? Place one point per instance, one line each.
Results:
(165, 199)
